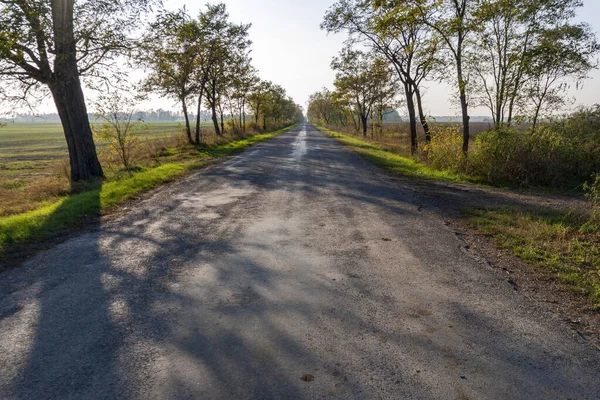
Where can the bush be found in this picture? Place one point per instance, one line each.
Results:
(445, 149)
(563, 153)
(120, 130)
(593, 195)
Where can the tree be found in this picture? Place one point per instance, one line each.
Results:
(392, 30)
(257, 100)
(170, 51)
(325, 107)
(50, 45)
(359, 79)
(524, 46)
(121, 130)
(453, 21)
(225, 45)
(565, 52)
(229, 48)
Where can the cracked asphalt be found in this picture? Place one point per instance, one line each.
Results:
(293, 271)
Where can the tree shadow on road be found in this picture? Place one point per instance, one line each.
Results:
(176, 301)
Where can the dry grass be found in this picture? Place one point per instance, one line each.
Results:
(39, 175)
(395, 137)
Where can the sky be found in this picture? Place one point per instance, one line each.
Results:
(290, 49)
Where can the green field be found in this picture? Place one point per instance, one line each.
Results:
(33, 160)
(45, 141)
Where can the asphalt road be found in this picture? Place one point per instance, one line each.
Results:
(293, 271)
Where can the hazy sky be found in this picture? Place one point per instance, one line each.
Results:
(290, 49)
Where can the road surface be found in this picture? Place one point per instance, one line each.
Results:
(293, 271)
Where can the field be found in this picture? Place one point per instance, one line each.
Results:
(34, 160)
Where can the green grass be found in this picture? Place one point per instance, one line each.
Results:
(563, 246)
(65, 213)
(395, 163)
(46, 141)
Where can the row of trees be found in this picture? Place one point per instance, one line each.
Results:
(514, 57)
(206, 60)
(55, 46)
(365, 90)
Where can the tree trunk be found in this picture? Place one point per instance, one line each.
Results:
(244, 116)
(214, 119)
(422, 116)
(465, 119)
(69, 99)
(536, 116)
(464, 106)
(222, 122)
(198, 116)
(213, 106)
(188, 129)
(412, 117)
(363, 120)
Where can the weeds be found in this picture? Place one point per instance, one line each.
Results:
(552, 241)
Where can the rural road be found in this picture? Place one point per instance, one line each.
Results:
(293, 271)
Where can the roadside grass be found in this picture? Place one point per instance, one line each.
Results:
(34, 162)
(100, 198)
(564, 246)
(394, 162)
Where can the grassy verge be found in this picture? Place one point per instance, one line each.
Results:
(395, 163)
(63, 214)
(561, 245)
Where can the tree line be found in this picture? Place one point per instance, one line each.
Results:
(57, 46)
(514, 57)
(206, 60)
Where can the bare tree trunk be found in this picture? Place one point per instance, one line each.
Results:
(465, 120)
(363, 120)
(69, 99)
(188, 129)
(215, 120)
(536, 117)
(198, 116)
(222, 122)
(422, 116)
(244, 116)
(464, 106)
(410, 104)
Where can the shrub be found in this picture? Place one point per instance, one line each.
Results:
(120, 130)
(563, 153)
(445, 149)
(593, 195)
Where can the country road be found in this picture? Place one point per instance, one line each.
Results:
(293, 271)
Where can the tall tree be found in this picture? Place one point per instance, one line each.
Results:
(358, 79)
(51, 45)
(393, 30)
(523, 45)
(170, 51)
(230, 49)
(565, 52)
(258, 99)
(454, 22)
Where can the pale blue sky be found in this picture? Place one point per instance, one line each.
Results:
(290, 49)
